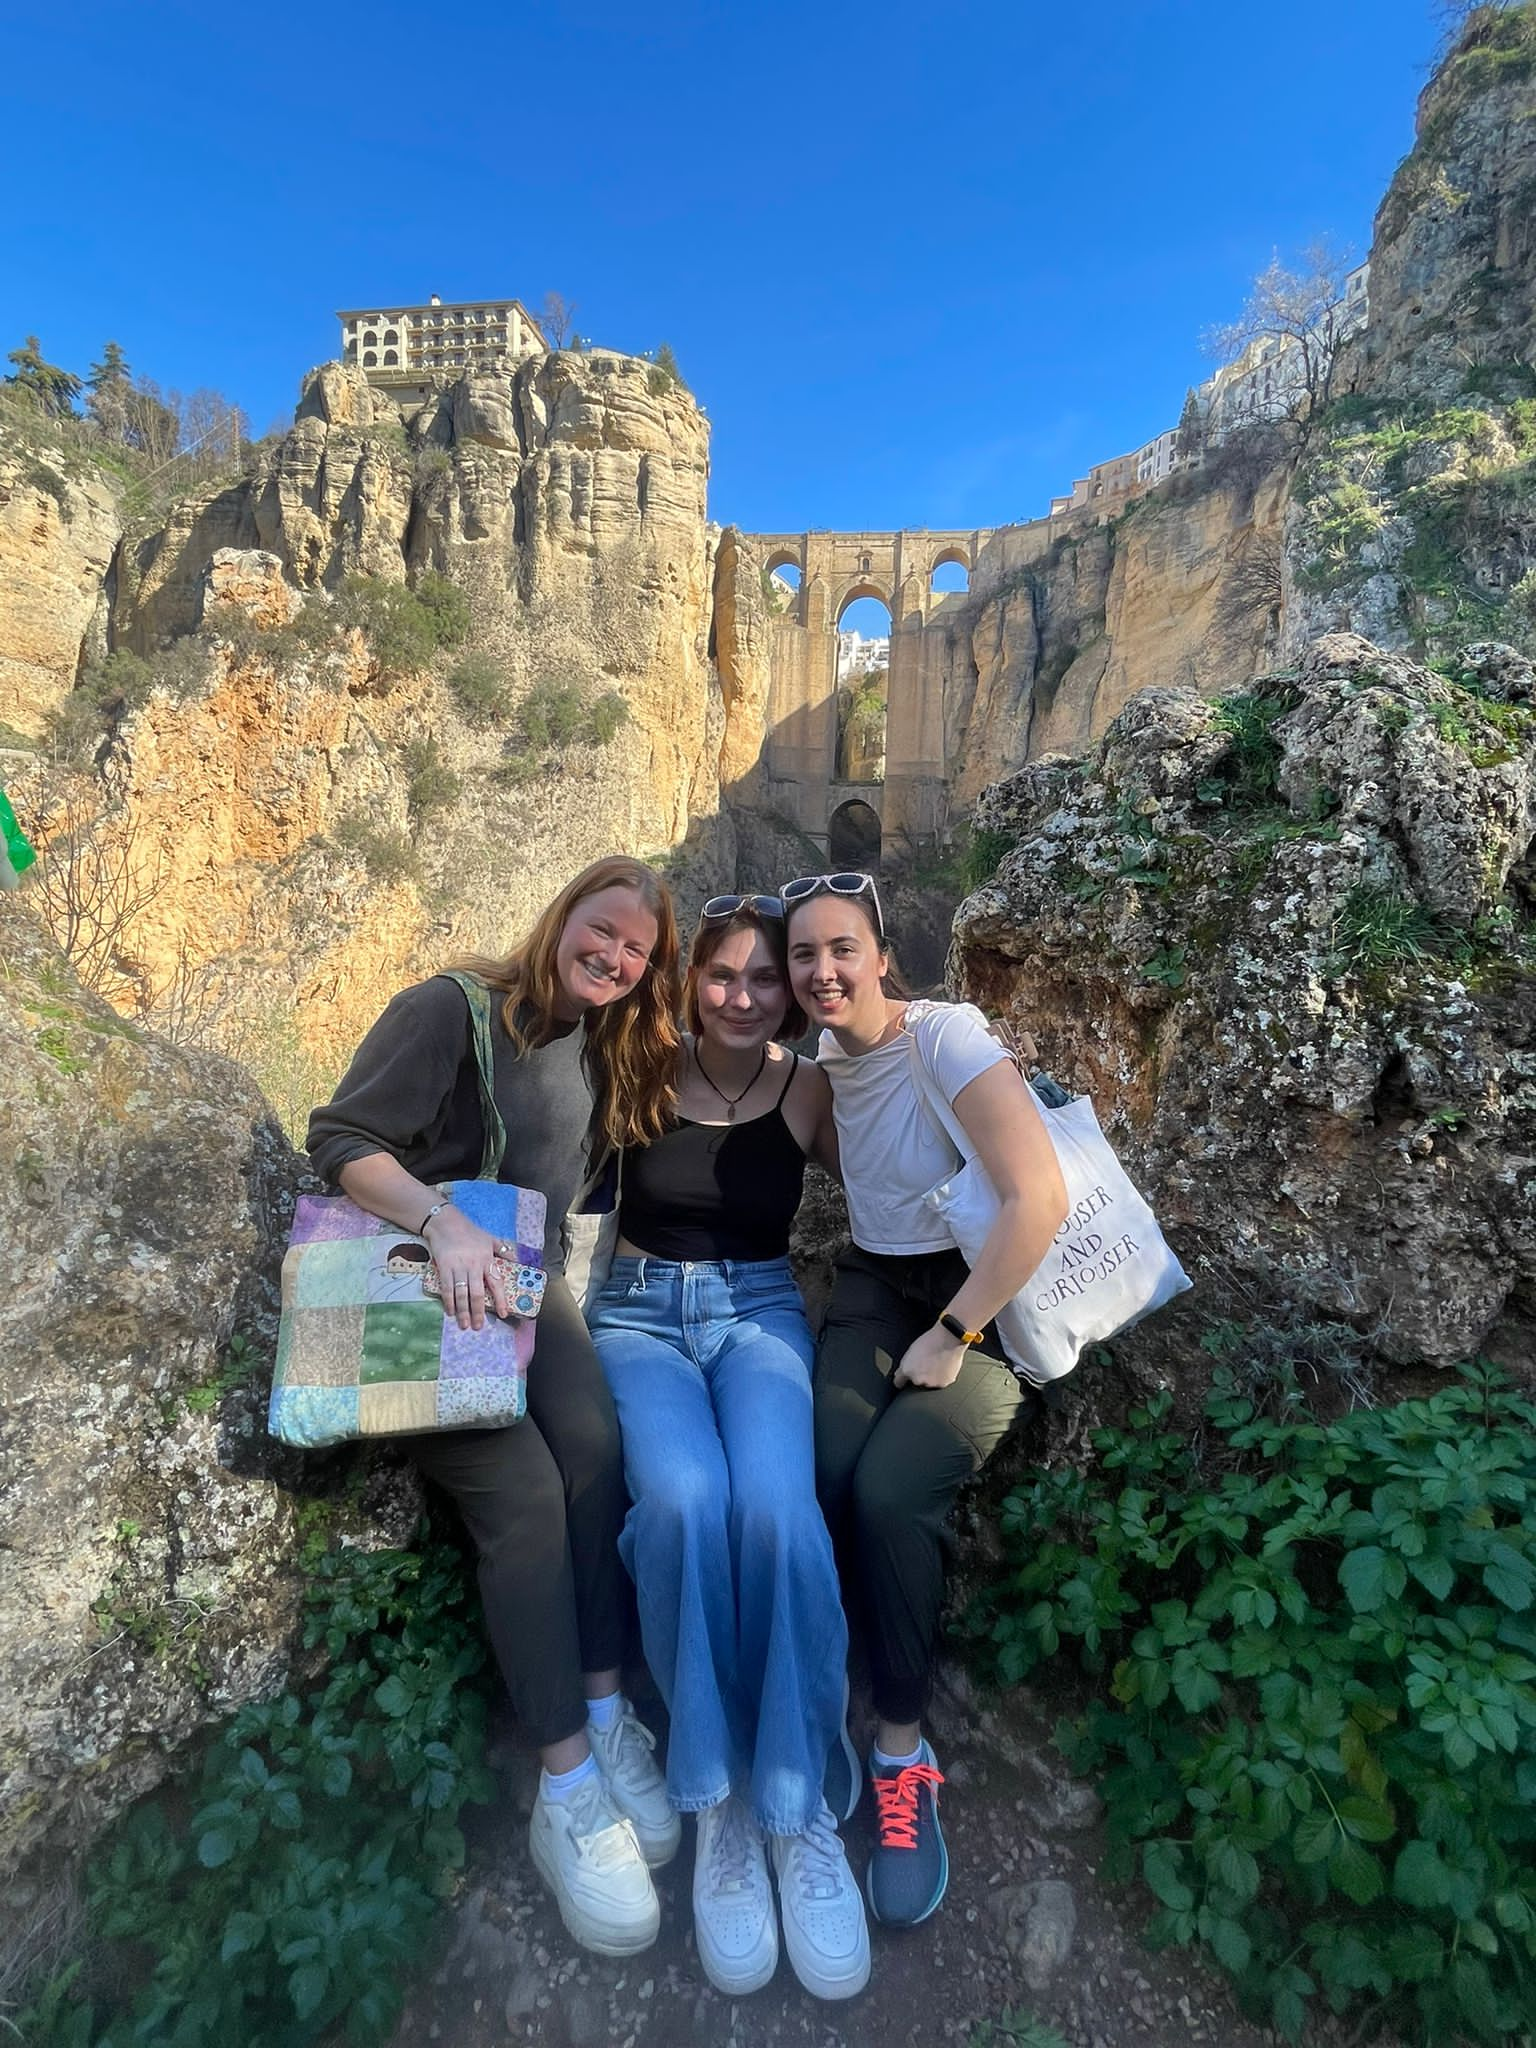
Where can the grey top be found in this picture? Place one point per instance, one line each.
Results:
(412, 1091)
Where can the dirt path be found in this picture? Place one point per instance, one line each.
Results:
(1067, 1953)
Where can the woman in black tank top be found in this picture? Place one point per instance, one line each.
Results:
(702, 1335)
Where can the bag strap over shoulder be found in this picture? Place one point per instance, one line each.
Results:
(494, 1144)
(935, 1104)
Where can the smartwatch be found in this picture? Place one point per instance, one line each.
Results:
(958, 1331)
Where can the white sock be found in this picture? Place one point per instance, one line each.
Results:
(559, 1785)
(604, 1712)
(896, 1763)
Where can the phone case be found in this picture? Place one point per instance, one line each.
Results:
(524, 1285)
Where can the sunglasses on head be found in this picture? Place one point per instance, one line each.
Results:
(720, 909)
(807, 886)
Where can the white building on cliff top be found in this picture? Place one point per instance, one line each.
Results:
(402, 348)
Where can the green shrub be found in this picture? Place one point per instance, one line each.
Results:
(1376, 928)
(558, 712)
(982, 855)
(1252, 763)
(446, 606)
(480, 688)
(431, 784)
(553, 714)
(1315, 1668)
(404, 628)
(663, 375)
(388, 856)
(606, 717)
(112, 687)
(293, 1886)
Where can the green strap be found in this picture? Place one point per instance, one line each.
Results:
(478, 996)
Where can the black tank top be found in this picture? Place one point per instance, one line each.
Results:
(715, 1191)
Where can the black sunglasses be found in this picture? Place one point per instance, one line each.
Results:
(806, 886)
(720, 909)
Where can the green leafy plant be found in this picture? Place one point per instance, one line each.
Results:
(1014, 2027)
(293, 1886)
(234, 1370)
(1167, 967)
(1314, 1664)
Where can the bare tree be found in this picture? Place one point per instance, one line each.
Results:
(192, 1007)
(95, 877)
(557, 317)
(1302, 312)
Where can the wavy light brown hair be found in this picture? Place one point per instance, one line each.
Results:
(707, 941)
(632, 1045)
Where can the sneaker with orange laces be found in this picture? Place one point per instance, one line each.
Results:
(909, 1868)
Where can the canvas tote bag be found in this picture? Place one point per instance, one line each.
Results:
(361, 1349)
(591, 1231)
(1108, 1265)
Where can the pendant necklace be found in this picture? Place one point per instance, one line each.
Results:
(731, 1101)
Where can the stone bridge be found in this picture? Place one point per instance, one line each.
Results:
(850, 819)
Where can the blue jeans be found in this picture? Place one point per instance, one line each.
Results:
(710, 1367)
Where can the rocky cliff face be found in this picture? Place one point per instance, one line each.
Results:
(1288, 943)
(1063, 627)
(1413, 515)
(1453, 257)
(152, 1582)
(310, 825)
(59, 529)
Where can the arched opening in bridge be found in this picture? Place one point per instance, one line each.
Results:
(863, 674)
(951, 574)
(853, 838)
(781, 585)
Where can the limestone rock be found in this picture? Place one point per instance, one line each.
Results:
(1454, 250)
(147, 1591)
(340, 395)
(743, 639)
(1038, 1923)
(59, 526)
(249, 582)
(1289, 947)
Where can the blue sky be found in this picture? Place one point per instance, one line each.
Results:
(921, 265)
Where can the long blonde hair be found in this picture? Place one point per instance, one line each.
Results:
(632, 1044)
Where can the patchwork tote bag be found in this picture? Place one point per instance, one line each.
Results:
(362, 1350)
(1108, 1265)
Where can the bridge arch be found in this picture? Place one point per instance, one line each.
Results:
(861, 586)
(853, 837)
(785, 558)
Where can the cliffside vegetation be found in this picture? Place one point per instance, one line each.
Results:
(1309, 1646)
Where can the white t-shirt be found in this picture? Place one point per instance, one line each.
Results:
(891, 1152)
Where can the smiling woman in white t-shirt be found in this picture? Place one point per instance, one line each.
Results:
(913, 1391)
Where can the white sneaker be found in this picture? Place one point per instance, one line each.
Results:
(588, 1856)
(825, 1931)
(635, 1786)
(733, 1918)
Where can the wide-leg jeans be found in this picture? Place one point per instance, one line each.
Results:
(740, 1613)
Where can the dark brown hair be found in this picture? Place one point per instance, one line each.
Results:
(632, 1044)
(706, 943)
(892, 981)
